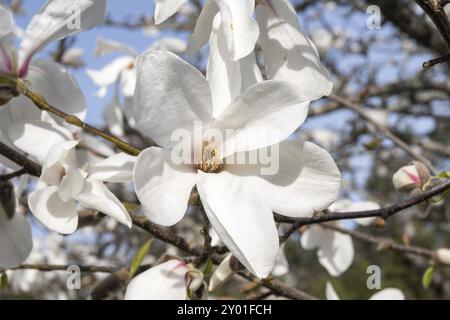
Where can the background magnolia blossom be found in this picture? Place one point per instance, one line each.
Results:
(86, 122)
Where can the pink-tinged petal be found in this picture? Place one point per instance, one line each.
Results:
(56, 20)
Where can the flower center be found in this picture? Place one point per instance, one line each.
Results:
(210, 160)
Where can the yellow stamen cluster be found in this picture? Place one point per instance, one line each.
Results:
(210, 161)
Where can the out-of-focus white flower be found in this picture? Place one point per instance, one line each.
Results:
(62, 184)
(121, 73)
(238, 200)
(73, 57)
(325, 138)
(335, 250)
(385, 294)
(411, 177)
(15, 239)
(443, 255)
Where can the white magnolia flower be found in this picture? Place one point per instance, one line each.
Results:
(62, 185)
(238, 200)
(73, 57)
(288, 53)
(171, 280)
(20, 119)
(335, 250)
(385, 294)
(15, 239)
(52, 23)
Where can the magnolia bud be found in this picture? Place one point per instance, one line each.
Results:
(411, 177)
(443, 255)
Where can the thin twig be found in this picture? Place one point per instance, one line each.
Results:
(399, 142)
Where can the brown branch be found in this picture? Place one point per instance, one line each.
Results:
(9, 176)
(384, 243)
(29, 166)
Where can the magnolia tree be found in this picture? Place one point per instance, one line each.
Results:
(254, 149)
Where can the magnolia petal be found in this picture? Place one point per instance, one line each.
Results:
(107, 46)
(162, 187)
(71, 184)
(281, 265)
(364, 206)
(203, 27)
(129, 81)
(266, 114)
(244, 224)
(240, 29)
(118, 168)
(171, 44)
(58, 87)
(221, 275)
(110, 74)
(288, 54)
(57, 20)
(5, 122)
(163, 282)
(164, 9)
(223, 74)
(300, 179)
(59, 155)
(96, 196)
(51, 211)
(335, 250)
(388, 294)
(114, 117)
(170, 96)
(331, 293)
(15, 239)
(37, 138)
